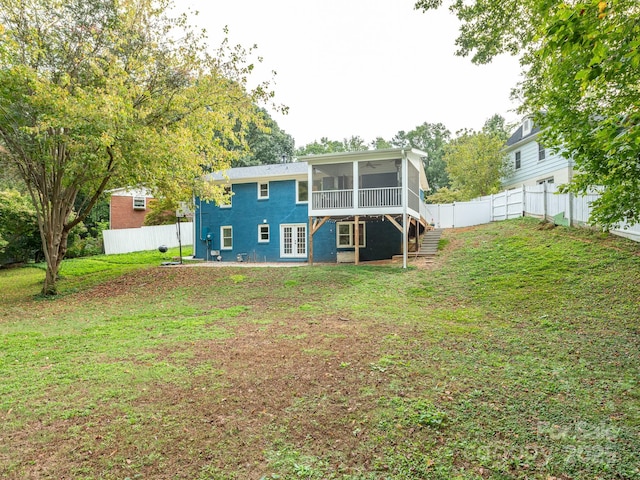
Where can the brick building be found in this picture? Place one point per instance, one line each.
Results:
(128, 207)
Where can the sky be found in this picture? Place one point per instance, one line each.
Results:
(362, 67)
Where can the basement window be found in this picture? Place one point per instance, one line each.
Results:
(345, 234)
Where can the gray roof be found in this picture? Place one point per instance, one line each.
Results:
(261, 171)
(517, 135)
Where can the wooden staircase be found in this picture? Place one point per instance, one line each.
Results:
(429, 245)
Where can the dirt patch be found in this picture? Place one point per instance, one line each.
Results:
(297, 382)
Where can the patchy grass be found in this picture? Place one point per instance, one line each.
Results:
(515, 355)
(79, 273)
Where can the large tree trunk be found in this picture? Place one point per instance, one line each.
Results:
(55, 248)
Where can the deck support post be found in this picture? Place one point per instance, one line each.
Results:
(405, 240)
(314, 226)
(357, 239)
(310, 259)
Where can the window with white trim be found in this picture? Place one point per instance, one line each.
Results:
(346, 234)
(226, 238)
(527, 126)
(263, 190)
(139, 203)
(263, 233)
(542, 154)
(228, 195)
(545, 180)
(518, 160)
(302, 191)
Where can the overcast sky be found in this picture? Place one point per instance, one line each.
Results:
(362, 67)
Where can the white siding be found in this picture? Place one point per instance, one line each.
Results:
(533, 170)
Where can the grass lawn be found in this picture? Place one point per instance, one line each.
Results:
(514, 355)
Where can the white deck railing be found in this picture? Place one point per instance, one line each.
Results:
(380, 197)
(332, 199)
(367, 198)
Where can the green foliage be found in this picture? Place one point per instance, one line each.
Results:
(380, 144)
(476, 164)
(585, 75)
(582, 69)
(445, 195)
(114, 93)
(162, 211)
(266, 143)
(19, 235)
(431, 138)
(353, 144)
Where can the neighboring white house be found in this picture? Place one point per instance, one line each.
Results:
(532, 163)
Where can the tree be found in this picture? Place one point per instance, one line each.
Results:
(475, 163)
(431, 139)
(582, 70)
(267, 143)
(380, 144)
(19, 237)
(353, 144)
(446, 195)
(497, 125)
(105, 92)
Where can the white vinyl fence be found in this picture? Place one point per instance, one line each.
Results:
(541, 201)
(127, 240)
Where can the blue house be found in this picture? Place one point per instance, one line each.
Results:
(532, 163)
(345, 207)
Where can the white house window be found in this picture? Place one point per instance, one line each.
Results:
(263, 233)
(226, 238)
(518, 162)
(545, 180)
(527, 126)
(302, 191)
(541, 152)
(346, 234)
(228, 195)
(263, 190)
(139, 203)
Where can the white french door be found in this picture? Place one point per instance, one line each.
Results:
(293, 240)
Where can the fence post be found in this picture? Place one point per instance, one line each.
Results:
(544, 201)
(524, 203)
(570, 209)
(453, 215)
(491, 207)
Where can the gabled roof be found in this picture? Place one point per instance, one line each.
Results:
(260, 172)
(517, 135)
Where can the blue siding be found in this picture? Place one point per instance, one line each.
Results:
(382, 239)
(247, 213)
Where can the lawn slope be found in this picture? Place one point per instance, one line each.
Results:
(515, 355)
